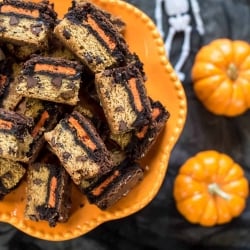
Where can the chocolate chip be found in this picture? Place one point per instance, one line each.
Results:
(81, 158)
(68, 94)
(107, 94)
(71, 85)
(31, 82)
(88, 57)
(57, 82)
(122, 126)
(14, 20)
(36, 29)
(37, 182)
(66, 33)
(66, 156)
(98, 60)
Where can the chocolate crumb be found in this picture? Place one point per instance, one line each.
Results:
(66, 34)
(122, 126)
(36, 29)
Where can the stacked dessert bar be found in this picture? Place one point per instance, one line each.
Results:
(74, 107)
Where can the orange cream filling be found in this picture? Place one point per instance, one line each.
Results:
(101, 33)
(5, 124)
(55, 69)
(39, 125)
(98, 190)
(155, 113)
(82, 133)
(20, 11)
(52, 192)
(142, 133)
(135, 93)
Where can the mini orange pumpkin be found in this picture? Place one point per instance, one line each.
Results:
(210, 189)
(221, 76)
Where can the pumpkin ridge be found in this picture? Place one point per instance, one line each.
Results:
(207, 100)
(221, 157)
(205, 209)
(230, 99)
(241, 68)
(189, 196)
(216, 89)
(218, 200)
(243, 56)
(206, 64)
(200, 159)
(243, 91)
(223, 53)
(217, 65)
(243, 195)
(234, 99)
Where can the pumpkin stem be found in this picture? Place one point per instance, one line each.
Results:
(214, 188)
(232, 71)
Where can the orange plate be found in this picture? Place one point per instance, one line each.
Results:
(163, 85)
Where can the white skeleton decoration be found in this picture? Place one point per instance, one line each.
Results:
(179, 21)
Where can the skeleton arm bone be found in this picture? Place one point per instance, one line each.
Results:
(169, 40)
(158, 16)
(197, 16)
(184, 53)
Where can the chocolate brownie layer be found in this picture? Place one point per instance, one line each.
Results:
(116, 184)
(11, 174)
(118, 23)
(51, 79)
(26, 23)
(124, 98)
(143, 139)
(79, 147)
(48, 193)
(90, 35)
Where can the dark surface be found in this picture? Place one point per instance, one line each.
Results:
(159, 225)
